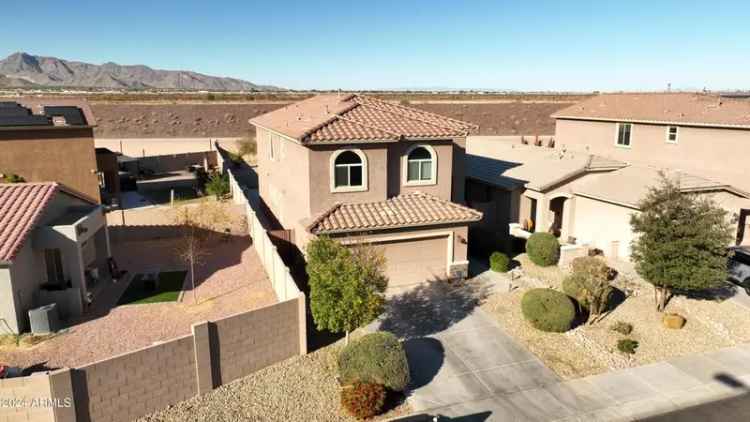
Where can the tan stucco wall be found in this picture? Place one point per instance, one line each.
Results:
(706, 151)
(321, 197)
(600, 224)
(65, 156)
(284, 182)
(27, 273)
(444, 183)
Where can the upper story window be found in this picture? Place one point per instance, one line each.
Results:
(421, 165)
(624, 131)
(348, 171)
(271, 151)
(672, 134)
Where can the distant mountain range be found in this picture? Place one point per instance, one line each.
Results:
(25, 71)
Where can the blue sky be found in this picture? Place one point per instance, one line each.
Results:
(524, 45)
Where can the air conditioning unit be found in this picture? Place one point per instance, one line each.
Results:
(44, 319)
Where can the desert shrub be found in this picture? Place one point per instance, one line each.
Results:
(589, 285)
(363, 400)
(543, 249)
(13, 178)
(548, 310)
(499, 262)
(622, 327)
(375, 358)
(627, 345)
(247, 146)
(218, 185)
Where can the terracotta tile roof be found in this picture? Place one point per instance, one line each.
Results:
(408, 210)
(332, 118)
(675, 108)
(630, 184)
(21, 206)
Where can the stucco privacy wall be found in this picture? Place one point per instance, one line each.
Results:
(134, 384)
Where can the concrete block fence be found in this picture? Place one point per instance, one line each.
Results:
(134, 384)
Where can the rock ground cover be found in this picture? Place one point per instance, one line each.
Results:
(592, 349)
(303, 388)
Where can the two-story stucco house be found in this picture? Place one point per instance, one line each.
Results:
(608, 151)
(54, 248)
(361, 169)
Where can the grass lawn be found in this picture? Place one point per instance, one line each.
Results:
(167, 290)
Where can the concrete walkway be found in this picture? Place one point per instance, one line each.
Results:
(464, 366)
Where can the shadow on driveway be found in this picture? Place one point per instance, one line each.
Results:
(431, 308)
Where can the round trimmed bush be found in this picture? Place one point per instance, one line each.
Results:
(499, 262)
(543, 249)
(548, 310)
(377, 358)
(363, 400)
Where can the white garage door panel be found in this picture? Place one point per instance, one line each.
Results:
(415, 261)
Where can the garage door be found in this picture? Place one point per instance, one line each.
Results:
(415, 261)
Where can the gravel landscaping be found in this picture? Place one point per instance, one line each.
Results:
(303, 388)
(591, 349)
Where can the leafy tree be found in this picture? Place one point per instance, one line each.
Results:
(13, 178)
(218, 185)
(681, 241)
(346, 284)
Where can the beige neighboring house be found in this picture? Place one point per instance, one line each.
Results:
(361, 169)
(54, 248)
(608, 151)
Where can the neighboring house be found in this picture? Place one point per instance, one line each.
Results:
(54, 248)
(50, 140)
(608, 151)
(527, 185)
(362, 169)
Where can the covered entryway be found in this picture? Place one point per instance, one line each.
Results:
(413, 261)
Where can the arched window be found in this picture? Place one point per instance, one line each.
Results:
(420, 165)
(348, 170)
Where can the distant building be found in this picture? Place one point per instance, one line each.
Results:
(50, 140)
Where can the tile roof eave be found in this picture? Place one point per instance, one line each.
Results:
(396, 226)
(653, 122)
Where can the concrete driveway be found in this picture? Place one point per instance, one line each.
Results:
(456, 352)
(464, 366)
(741, 298)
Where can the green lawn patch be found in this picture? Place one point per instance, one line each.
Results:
(167, 289)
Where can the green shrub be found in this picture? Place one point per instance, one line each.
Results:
(218, 185)
(13, 178)
(499, 262)
(363, 400)
(375, 358)
(621, 327)
(627, 345)
(548, 310)
(543, 249)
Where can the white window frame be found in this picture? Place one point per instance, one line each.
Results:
(676, 134)
(617, 135)
(332, 172)
(405, 167)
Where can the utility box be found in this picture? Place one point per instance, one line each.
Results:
(44, 319)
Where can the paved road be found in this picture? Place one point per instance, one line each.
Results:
(465, 367)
